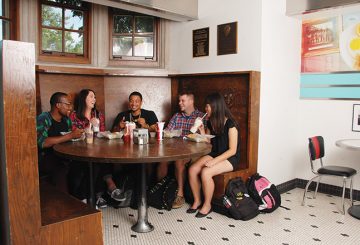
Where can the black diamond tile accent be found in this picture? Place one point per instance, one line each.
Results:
(160, 213)
(287, 230)
(289, 193)
(332, 203)
(131, 215)
(316, 239)
(288, 200)
(203, 228)
(262, 222)
(231, 225)
(191, 243)
(179, 220)
(287, 218)
(284, 243)
(344, 234)
(208, 217)
(314, 226)
(312, 215)
(225, 238)
(311, 206)
(168, 232)
(115, 226)
(339, 222)
(257, 234)
(134, 236)
(335, 212)
(308, 198)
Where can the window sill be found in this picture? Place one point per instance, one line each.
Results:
(106, 71)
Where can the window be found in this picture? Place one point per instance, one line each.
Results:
(64, 31)
(133, 36)
(7, 20)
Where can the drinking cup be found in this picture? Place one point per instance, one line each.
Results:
(152, 134)
(196, 125)
(89, 137)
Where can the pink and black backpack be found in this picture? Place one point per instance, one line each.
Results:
(265, 194)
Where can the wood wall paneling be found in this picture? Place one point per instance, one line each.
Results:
(18, 82)
(156, 94)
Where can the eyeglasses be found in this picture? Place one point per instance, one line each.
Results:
(66, 103)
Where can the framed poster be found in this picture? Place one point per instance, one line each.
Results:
(227, 38)
(356, 118)
(201, 42)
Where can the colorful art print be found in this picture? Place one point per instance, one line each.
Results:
(320, 37)
(201, 42)
(227, 38)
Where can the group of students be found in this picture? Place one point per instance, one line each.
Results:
(224, 156)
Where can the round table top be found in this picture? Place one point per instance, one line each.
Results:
(116, 151)
(350, 144)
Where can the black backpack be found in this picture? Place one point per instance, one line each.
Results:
(264, 193)
(163, 193)
(238, 202)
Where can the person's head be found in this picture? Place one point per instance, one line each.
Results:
(86, 101)
(135, 101)
(186, 102)
(60, 103)
(217, 111)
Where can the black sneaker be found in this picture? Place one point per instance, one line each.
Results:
(101, 203)
(117, 195)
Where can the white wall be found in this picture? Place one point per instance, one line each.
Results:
(280, 71)
(211, 14)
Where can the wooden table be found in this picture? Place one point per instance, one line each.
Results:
(117, 152)
(354, 145)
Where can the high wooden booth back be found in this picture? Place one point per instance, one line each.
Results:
(241, 91)
(59, 219)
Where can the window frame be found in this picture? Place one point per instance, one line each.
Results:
(134, 61)
(12, 19)
(54, 56)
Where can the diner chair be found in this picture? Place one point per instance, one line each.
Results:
(316, 154)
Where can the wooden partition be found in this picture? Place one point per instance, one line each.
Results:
(241, 91)
(59, 219)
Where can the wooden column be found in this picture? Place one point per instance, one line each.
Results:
(20, 188)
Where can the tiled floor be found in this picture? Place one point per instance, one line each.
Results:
(319, 222)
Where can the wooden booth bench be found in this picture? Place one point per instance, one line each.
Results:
(241, 91)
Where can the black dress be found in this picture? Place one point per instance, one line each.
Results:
(220, 144)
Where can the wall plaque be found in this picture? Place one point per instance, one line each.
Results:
(227, 38)
(201, 42)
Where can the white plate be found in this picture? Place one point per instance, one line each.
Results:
(109, 135)
(348, 55)
(81, 138)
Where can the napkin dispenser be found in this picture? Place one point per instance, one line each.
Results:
(141, 136)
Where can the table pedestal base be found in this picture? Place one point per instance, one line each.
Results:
(142, 225)
(354, 211)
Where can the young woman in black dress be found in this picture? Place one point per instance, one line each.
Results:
(224, 156)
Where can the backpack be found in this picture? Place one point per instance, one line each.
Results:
(265, 194)
(163, 193)
(238, 202)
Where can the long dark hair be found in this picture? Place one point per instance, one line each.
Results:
(81, 105)
(219, 111)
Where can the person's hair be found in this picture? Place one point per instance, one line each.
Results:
(81, 104)
(56, 98)
(219, 111)
(188, 93)
(136, 93)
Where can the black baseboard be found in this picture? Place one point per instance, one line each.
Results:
(323, 188)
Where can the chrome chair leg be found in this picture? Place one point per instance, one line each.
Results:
(317, 187)
(351, 192)
(343, 196)
(306, 188)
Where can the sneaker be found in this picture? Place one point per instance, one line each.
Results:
(101, 203)
(178, 202)
(117, 195)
